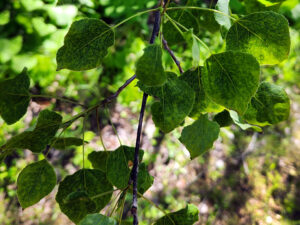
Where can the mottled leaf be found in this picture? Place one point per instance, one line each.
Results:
(231, 79)
(270, 105)
(176, 102)
(202, 103)
(35, 182)
(149, 68)
(223, 18)
(223, 119)
(14, 97)
(241, 123)
(118, 163)
(65, 143)
(200, 136)
(186, 216)
(47, 125)
(97, 219)
(85, 45)
(86, 191)
(265, 35)
(98, 159)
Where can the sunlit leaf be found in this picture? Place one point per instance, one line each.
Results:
(223, 18)
(265, 35)
(270, 105)
(238, 120)
(231, 79)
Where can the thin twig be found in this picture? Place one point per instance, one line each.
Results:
(166, 46)
(135, 168)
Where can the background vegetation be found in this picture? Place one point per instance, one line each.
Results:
(247, 178)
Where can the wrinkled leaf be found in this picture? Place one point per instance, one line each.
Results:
(270, 105)
(35, 182)
(65, 143)
(77, 193)
(186, 216)
(202, 103)
(118, 163)
(265, 35)
(85, 45)
(14, 97)
(149, 69)
(200, 136)
(176, 102)
(47, 125)
(231, 79)
(97, 219)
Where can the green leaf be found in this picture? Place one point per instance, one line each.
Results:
(118, 163)
(231, 79)
(99, 159)
(270, 105)
(145, 180)
(9, 48)
(241, 123)
(186, 216)
(86, 191)
(223, 19)
(176, 102)
(67, 2)
(85, 45)
(223, 119)
(35, 182)
(202, 103)
(97, 219)
(65, 143)
(14, 97)
(265, 35)
(47, 125)
(200, 136)
(4, 17)
(149, 68)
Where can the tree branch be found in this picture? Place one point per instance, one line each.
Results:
(135, 168)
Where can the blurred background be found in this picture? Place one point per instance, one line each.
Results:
(247, 178)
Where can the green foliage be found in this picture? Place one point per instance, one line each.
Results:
(186, 216)
(149, 69)
(99, 159)
(47, 125)
(85, 45)
(90, 191)
(176, 102)
(270, 105)
(14, 97)
(200, 136)
(97, 219)
(118, 163)
(202, 103)
(223, 18)
(223, 118)
(9, 48)
(231, 79)
(66, 143)
(265, 35)
(35, 182)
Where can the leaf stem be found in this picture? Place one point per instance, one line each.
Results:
(135, 15)
(58, 98)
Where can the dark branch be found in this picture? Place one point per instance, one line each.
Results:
(135, 168)
(166, 46)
